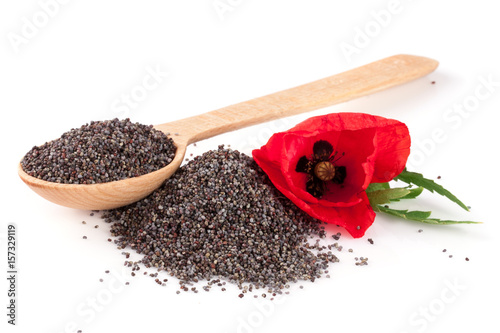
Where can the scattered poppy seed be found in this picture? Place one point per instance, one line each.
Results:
(101, 280)
(362, 261)
(83, 222)
(466, 259)
(420, 230)
(84, 237)
(370, 240)
(96, 226)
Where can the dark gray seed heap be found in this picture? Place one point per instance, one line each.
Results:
(100, 152)
(217, 218)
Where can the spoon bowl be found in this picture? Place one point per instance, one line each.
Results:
(358, 82)
(104, 195)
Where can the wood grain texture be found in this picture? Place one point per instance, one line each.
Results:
(358, 82)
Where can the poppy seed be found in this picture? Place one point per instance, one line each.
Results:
(99, 152)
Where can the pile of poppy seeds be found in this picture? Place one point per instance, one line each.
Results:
(218, 219)
(100, 152)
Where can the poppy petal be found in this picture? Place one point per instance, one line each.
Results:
(374, 149)
(393, 147)
(392, 138)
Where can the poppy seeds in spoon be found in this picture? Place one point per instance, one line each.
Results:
(100, 152)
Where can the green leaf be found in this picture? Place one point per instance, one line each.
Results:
(414, 192)
(419, 180)
(419, 216)
(377, 187)
(386, 196)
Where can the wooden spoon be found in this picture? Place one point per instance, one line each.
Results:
(361, 81)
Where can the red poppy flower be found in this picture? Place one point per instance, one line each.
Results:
(325, 164)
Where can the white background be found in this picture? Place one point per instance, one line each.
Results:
(77, 63)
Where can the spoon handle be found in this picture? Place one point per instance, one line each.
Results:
(358, 82)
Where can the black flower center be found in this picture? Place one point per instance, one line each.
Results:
(321, 168)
